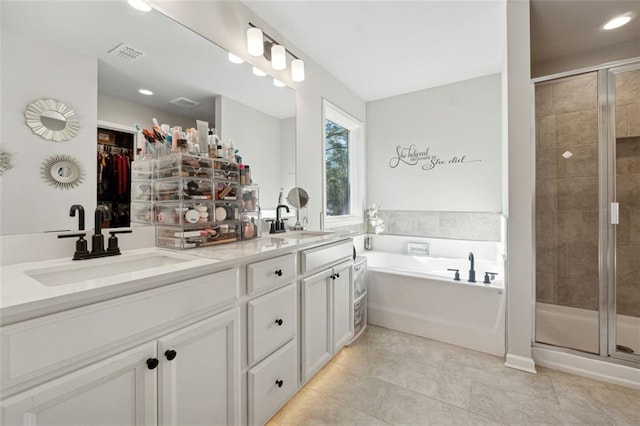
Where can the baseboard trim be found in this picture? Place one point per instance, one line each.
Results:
(587, 367)
(521, 363)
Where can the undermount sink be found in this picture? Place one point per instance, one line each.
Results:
(304, 234)
(102, 268)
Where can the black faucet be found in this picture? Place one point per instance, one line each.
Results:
(278, 225)
(472, 272)
(72, 213)
(97, 241)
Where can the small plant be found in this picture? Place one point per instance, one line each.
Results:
(374, 223)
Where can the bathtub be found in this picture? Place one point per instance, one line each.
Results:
(417, 295)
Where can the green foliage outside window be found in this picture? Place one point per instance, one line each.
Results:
(337, 170)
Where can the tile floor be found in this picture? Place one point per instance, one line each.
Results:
(392, 378)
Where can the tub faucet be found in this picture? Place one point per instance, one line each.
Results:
(472, 272)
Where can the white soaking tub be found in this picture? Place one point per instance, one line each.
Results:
(417, 295)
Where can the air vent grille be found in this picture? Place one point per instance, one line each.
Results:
(127, 52)
(184, 102)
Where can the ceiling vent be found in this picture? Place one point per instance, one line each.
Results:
(184, 102)
(127, 53)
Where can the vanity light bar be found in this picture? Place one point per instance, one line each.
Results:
(274, 52)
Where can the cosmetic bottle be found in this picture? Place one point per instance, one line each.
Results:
(219, 151)
(174, 138)
(211, 142)
(231, 155)
(242, 176)
(247, 175)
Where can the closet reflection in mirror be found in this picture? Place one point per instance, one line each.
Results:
(81, 46)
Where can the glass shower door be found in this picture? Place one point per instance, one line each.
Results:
(567, 213)
(624, 292)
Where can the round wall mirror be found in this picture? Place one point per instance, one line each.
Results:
(62, 171)
(298, 197)
(52, 120)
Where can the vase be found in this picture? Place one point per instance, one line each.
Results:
(368, 242)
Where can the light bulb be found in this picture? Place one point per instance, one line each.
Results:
(278, 83)
(297, 70)
(278, 57)
(255, 45)
(617, 22)
(258, 72)
(235, 59)
(146, 92)
(141, 5)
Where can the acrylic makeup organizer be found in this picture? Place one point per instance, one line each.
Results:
(194, 201)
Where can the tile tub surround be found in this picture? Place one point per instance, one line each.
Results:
(442, 247)
(388, 377)
(452, 225)
(567, 192)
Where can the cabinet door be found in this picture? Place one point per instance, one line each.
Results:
(342, 306)
(316, 323)
(120, 390)
(199, 374)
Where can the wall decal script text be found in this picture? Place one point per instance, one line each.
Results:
(412, 156)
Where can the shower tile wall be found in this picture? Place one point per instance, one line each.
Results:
(628, 193)
(567, 192)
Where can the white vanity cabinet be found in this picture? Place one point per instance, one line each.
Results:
(119, 390)
(160, 356)
(272, 327)
(327, 308)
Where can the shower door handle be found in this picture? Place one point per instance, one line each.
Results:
(615, 214)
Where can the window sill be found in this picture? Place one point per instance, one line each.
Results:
(342, 221)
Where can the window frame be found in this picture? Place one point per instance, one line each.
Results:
(355, 127)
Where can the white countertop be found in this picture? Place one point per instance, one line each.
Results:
(22, 296)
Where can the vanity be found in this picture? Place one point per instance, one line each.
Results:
(216, 335)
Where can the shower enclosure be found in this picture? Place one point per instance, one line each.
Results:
(587, 212)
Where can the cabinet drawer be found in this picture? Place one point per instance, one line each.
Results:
(316, 258)
(51, 345)
(272, 383)
(268, 273)
(272, 321)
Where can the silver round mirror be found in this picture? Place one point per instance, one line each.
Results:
(62, 171)
(52, 120)
(298, 197)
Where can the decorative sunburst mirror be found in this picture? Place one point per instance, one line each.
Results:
(52, 120)
(62, 171)
(5, 162)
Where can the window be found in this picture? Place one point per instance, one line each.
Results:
(343, 168)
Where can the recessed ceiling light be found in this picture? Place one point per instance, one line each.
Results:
(146, 92)
(141, 5)
(617, 22)
(235, 59)
(257, 71)
(278, 83)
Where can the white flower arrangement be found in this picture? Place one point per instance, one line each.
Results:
(375, 223)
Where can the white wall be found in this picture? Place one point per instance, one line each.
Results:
(460, 120)
(521, 174)
(226, 22)
(288, 160)
(258, 137)
(45, 72)
(119, 111)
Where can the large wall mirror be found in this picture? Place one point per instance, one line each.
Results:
(94, 57)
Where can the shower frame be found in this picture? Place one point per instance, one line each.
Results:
(606, 196)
